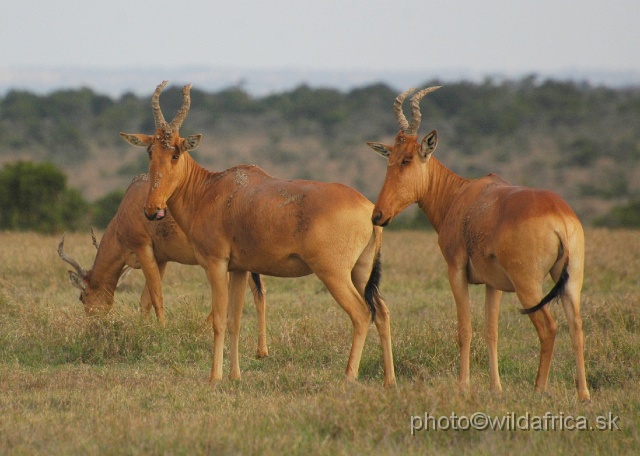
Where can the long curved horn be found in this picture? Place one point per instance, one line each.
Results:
(415, 109)
(155, 104)
(79, 269)
(176, 123)
(397, 107)
(96, 244)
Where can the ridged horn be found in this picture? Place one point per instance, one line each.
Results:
(155, 104)
(176, 123)
(415, 110)
(96, 244)
(397, 106)
(79, 269)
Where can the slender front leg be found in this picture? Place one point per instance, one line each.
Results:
(153, 279)
(460, 289)
(237, 288)
(145, 298)
(491, 311)
(217, 275)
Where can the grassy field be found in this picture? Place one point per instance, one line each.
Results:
(122, 385)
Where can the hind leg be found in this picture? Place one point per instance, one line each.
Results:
(546, 328)
(571, 304)
(346, 295)
(360, 276)
(570, 298)
(260, 301)
(383, 325)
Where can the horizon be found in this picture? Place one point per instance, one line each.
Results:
(115, 82)
(269, 47)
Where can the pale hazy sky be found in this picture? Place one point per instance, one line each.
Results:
(480, 36)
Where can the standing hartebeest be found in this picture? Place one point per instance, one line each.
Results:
(506, 237)
(132, 241)
(243, 219)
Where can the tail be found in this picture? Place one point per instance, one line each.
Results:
(256, 280)
(555, 292)
(371, 291)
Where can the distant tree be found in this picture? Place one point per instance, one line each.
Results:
(19, 106)
(73, 210)
(68, 142)
(35, 197)
(327, 107)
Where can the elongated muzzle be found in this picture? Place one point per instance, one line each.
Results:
(154, 214)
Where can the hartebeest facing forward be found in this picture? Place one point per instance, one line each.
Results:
(243, 219)
(132, 241)
(506, 237)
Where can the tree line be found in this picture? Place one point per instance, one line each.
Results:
(580, 140)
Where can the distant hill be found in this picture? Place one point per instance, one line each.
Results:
(578, 139)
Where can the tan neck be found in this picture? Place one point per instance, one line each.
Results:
(108, 264)
(189, 192)
(437, 195)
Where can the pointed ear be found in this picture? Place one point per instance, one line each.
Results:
(429, 144)
(137, 140)
(381, 149)
(77, 281)
(190, 142)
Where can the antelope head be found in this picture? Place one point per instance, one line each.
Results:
(407, 161)
(166, 151)
(95, 301)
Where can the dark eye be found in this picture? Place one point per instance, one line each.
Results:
(406, 161)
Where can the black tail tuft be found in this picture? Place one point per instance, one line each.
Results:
(371, 291)
(256, 280)
(553, 294)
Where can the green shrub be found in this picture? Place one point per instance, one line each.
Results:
(35, 197)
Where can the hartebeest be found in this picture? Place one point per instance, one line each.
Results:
(243, 219)
(506, 237)
(132, 241)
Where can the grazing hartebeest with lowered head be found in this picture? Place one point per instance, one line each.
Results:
(243, 219)
(132, 241)
(508, 238)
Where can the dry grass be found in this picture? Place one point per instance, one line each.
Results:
(121, 385)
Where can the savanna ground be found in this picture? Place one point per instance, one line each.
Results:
(122, 385)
